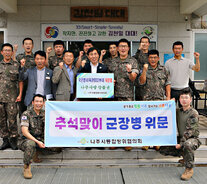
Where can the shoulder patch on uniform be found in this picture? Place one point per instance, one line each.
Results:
(24, 117)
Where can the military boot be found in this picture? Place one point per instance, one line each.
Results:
(127, 148)
(13, 143)
(27, 171)
(5, 144)
(157, 148)
(145, 148)
(181, 161)
(188, 173)
(36, 158)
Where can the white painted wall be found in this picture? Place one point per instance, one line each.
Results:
(164, 13)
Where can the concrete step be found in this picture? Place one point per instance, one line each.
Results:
(50, 163)
(203, 136)
(74, 157)
(95, 154)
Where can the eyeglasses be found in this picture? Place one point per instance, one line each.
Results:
(123, 46)
(7, 50)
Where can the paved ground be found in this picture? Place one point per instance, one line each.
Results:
(143, 175)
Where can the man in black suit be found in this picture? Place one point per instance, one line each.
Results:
(94, 66)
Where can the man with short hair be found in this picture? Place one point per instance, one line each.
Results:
(188, 134)
(39, 78)
(125, 72)
(32, 134)
(178, 68)
(94, 66)
(28, 58)
(54, 61)
(83, 54)
(64, 76)
(154, 79)
(142, 58)
(113, 52)
(142, 53)
(154, 82)
(27, 45)
(9, 80)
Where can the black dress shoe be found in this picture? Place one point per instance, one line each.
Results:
(13, 143)
(5, 144)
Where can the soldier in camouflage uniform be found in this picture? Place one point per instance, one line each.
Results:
(113, 54)
(83, 54)
(125, 72)
(142, 58)
(154, 82)
(28, 55)
(54, 61)
(154, 79)
(188, 129)
(28, 58)
(9, 79)
(32, 137)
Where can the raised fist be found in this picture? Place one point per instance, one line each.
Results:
(48, 50)
(22, 62)
(61, 65)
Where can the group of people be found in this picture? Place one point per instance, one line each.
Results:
(29, 79)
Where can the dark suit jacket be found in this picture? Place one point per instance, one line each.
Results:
(87, 68)
(31, 76)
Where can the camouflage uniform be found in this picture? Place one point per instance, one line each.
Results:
(142, 58)
(156, 81)
(108, 62)
(84, 57)
(35, 124)
(188, 129)
(54, 61)
(30, 63)
(124, 87)
(9, 77)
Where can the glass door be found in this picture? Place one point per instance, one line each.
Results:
(201, 47)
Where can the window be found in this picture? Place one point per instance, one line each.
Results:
(200, 43)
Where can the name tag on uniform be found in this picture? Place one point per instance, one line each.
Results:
(48, 78)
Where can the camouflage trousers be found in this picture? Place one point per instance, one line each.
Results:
(8, 120)
(187, 151)
(29, 148)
